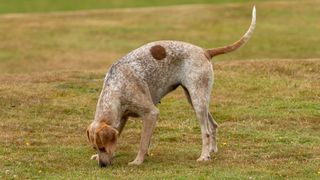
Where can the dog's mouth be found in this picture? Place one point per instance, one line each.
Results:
(103, 164)
(105, 160)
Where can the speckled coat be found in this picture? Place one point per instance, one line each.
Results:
(139, 73)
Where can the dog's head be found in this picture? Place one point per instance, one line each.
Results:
(103, 138)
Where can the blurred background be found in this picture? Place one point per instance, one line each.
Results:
(42, 35)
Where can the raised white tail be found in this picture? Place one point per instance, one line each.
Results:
(237, 44)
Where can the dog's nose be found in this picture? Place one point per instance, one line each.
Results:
(102, 164)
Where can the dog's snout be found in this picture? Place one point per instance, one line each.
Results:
(102, 164)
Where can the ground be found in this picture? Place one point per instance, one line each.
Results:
(266, 96)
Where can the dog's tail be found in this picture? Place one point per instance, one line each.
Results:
(226, 49)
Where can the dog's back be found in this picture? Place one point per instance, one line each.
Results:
(161, 65)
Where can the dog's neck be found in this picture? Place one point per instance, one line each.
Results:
(108, 110)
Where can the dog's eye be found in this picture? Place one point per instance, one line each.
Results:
(102, 149)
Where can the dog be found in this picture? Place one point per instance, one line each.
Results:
(135, 84)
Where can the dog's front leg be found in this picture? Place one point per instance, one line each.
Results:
(149, 122)
(123, 122)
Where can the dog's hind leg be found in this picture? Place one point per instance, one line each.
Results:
(198, 89)
(214, 128)
(201, 110)
(213, 125)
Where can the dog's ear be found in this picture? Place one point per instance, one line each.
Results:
(89, 134)
(106, 138)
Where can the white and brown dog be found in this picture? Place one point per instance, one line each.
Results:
(138, 81)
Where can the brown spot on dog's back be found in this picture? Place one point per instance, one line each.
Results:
(158, 52)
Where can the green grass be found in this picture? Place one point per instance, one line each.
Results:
(265, 98)
(31, 6)
(84, 40)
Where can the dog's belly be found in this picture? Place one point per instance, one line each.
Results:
(160, 92)
(163, 79)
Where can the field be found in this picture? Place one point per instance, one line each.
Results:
(18, 6)
(266, 96)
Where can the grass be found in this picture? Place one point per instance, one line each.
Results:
(18, 6)
(52, 67)
(84, 40)
(269, 126)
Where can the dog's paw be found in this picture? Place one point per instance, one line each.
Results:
(135, 163)
(94, 157)
(204, 159)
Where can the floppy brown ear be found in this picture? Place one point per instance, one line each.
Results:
(89, 134)
(106, 138)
